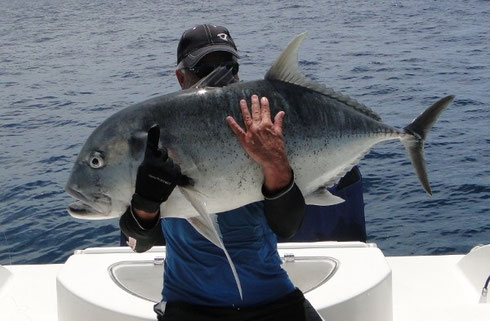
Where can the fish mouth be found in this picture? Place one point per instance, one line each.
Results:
(79, 209)
(93, 207)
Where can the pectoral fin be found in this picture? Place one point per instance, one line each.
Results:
(322, 197)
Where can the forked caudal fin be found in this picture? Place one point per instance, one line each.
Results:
(417, 132)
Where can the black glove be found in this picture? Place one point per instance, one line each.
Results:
(157, 175)
(138, 236)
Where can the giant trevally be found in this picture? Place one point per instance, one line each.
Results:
(326, 134)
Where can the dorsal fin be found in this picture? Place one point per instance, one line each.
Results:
(286, 69)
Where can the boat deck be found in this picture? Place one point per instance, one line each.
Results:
(443, 287)
(435, 288)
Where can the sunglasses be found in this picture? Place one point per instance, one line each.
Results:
(203, 69)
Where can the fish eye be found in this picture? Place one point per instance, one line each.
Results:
(96, 160)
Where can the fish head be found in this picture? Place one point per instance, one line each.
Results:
(104, 174)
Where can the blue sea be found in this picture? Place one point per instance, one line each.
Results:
(66, 65)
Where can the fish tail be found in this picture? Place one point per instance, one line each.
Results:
(416, 133)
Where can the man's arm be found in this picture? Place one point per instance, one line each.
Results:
(156, 179)
(285, 209)
(263, 141)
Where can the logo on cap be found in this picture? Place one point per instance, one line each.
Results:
(223, 36)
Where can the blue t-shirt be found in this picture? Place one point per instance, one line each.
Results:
(197, 271)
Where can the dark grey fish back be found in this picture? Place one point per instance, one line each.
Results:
(348, 101)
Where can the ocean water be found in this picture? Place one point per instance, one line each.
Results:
(67, 65)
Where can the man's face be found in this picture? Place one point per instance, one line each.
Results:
(187, 78)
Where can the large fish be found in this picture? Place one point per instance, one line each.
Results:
(326, 134)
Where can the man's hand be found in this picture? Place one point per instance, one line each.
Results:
(263, 140)
(156, 179)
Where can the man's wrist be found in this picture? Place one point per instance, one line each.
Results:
(145, 220)
(144, 211)
(271, 196)
(144, 204)
(145, 216)
(276, 178)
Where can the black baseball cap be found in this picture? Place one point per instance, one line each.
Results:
(201, 40)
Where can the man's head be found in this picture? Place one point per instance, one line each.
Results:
(200, 50)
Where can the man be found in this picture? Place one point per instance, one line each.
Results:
(343, 222)
(198, 283)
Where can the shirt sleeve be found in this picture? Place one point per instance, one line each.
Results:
(285, 209)
(141, 235)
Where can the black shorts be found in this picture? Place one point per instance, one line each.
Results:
(291, 307)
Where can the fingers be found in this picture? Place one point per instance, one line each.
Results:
(152, 149)
(261, 112)
(172, 173)
(177, 177)
(256, 115)
(235, 127)
(152, 143)
(247, 119)
(176, 174)
(278, 120)
(265, 110)
(184, 180)
(260, 115)
(153, 137)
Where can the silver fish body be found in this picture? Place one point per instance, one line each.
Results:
(324, 136)
(324, 139)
